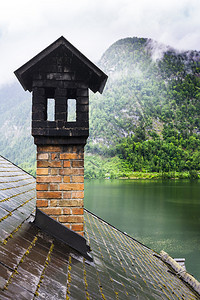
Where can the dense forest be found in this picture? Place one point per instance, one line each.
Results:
(146, 124)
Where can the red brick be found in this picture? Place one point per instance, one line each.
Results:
(71, 203)
(53, 187)
(79, 179)
(78, 164)
(64, 203)
(77, 211)
(68, 156)
(77, 195)
(74, 171)
(49, 195)
(42, 164)
(46, 164)
(66, 179)
(42, 156)
(41, 203)
(70, 219)
(66, 164)
(66, 211)
(67, 225)
(54, 171)
(42, 171)
(41, 187)
(71, 186)
(53, 203)
(52, 210)
(55, 164)
(55, 156)
(49, 179)
(67, 195)
(77, 227)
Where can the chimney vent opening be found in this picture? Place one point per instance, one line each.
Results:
(71, 112)
(50, 109)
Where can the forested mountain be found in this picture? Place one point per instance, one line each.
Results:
(149, 114)
(148, 118)
(149, 85)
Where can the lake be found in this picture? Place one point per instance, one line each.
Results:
(163, 215)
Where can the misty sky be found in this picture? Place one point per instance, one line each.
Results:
(27, 27)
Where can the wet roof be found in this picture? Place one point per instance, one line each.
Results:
(36, 266)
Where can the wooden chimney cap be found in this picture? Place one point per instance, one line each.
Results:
(90, 74)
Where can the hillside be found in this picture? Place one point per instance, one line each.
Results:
(148, 118)
(16, 142)
(149, 114)
(149, 85)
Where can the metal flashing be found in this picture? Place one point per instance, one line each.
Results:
(62, 233)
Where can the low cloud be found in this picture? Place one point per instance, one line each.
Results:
(27, 27)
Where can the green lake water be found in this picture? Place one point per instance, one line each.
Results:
(162, 215)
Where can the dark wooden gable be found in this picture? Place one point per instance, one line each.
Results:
(60, 73)
(61, 61)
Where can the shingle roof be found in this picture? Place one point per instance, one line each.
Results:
(37, 266)
(17, 197)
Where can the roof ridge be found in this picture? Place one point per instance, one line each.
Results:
(17, 166)
(181, 272)
(125, 233)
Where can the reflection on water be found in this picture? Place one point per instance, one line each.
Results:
(162, 215)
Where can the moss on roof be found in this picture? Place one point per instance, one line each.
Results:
(36, 266)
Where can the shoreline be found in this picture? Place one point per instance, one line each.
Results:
(192, 175)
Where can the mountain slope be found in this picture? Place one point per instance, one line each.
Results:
(16, 142)
(149, 85)
(148, 115)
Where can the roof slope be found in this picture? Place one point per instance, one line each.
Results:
(36, 266)
(17, 194)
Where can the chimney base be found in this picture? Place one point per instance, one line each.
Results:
(60, 184)
(62, 233)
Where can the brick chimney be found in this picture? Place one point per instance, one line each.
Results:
(62, 76)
